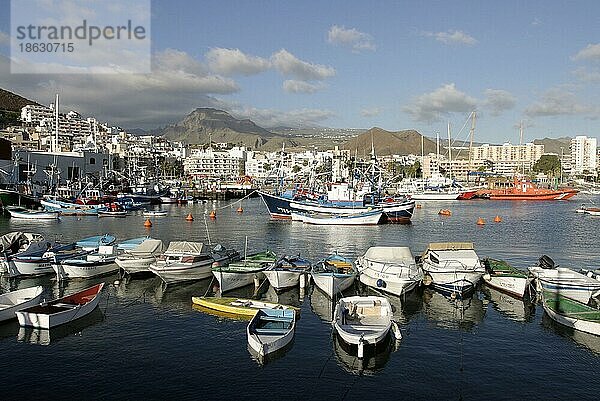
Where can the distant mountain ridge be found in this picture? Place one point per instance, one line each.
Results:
(388, 143)
(554, 145)
(207, 124)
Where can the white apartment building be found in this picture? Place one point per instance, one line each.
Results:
(506, 159)
(583, 155)
(215, 164)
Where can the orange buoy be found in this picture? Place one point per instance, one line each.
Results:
(418, 206)
(212, 214)
(240, 210)
(497, 219)
(445, 212)
(189, 217)
(480, 222)
(147, 223)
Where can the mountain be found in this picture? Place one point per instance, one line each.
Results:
(387, 143)
(553, 145)
(12, 102)
(205, 124)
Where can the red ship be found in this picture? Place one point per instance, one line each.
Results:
(525, 190)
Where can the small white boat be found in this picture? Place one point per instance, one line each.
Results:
(112, 213)
(334, 274)
(271, 330)
(98, 263)
(14, 243)
(245, 272)
(371, 217)
(154, 213)
(14, 301)
(503, 277)
(185, 260)
(564, 281)
(139, 259)
(436, 195)
(362, 320)
(62, 310)
(454, 267)
(391, 269)
(17, 212)
(286, 272)
(571, 313)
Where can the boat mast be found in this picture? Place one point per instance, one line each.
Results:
(55, 147)
(473, 118)
(520, 149)
(449, 152)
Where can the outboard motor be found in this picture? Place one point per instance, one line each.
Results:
(546, 262)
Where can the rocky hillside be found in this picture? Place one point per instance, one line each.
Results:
(387, 142)
(553, 145)
(204, 124)
(12, 102)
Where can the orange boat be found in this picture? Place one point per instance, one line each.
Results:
(525, 190)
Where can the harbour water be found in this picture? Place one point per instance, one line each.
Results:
(148, 342)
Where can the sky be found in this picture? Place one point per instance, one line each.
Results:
(352, 64)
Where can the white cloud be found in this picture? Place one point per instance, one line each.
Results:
(372, 112)
(274, 118)
(590, 52)
(556, 102)
(498, 100)
(4, 39)
(431, 107)
(356, 40)
(288, 64)
(234, 61)
(452, 37)
(177, 85)
(586, 75)
(294, 86)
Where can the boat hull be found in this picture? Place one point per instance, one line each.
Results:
(333, 283)
(362, 330)
(390, 283)
(283, 278)
(237, 306)
(265, 342)
(230, 280)
(70, 270)
(133, 265)
(514, 286)
(362, 219)
(19, 300)
(178, 272)
(58, 312)
(576, 318)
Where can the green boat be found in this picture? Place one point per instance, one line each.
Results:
(571, 313)
(244, 272)
(503, 277)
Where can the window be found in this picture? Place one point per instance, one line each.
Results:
(92, 160)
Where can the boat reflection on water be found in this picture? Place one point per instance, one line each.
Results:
(137, 291)
(455, 314)
(18, 283)
(46, 336)
(584, 340)
(262, 360)
(373, 361)
(518, 310)
(287, 297)
(321, 305)
(180, 295)
(9, 329)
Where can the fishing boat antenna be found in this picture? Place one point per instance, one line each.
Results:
(207, 232)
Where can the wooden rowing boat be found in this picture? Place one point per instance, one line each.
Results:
(238, 306)
(61, 310)
(14, 301)
(270, 330)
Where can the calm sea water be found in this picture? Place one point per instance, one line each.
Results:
(147, 342)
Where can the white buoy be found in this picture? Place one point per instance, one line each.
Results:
(361, 348)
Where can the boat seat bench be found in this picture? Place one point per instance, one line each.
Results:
(271, 331)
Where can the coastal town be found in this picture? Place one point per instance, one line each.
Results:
(51, 148)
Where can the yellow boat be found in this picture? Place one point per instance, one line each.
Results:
(238, 306)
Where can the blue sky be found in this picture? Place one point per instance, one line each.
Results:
(355, 64)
